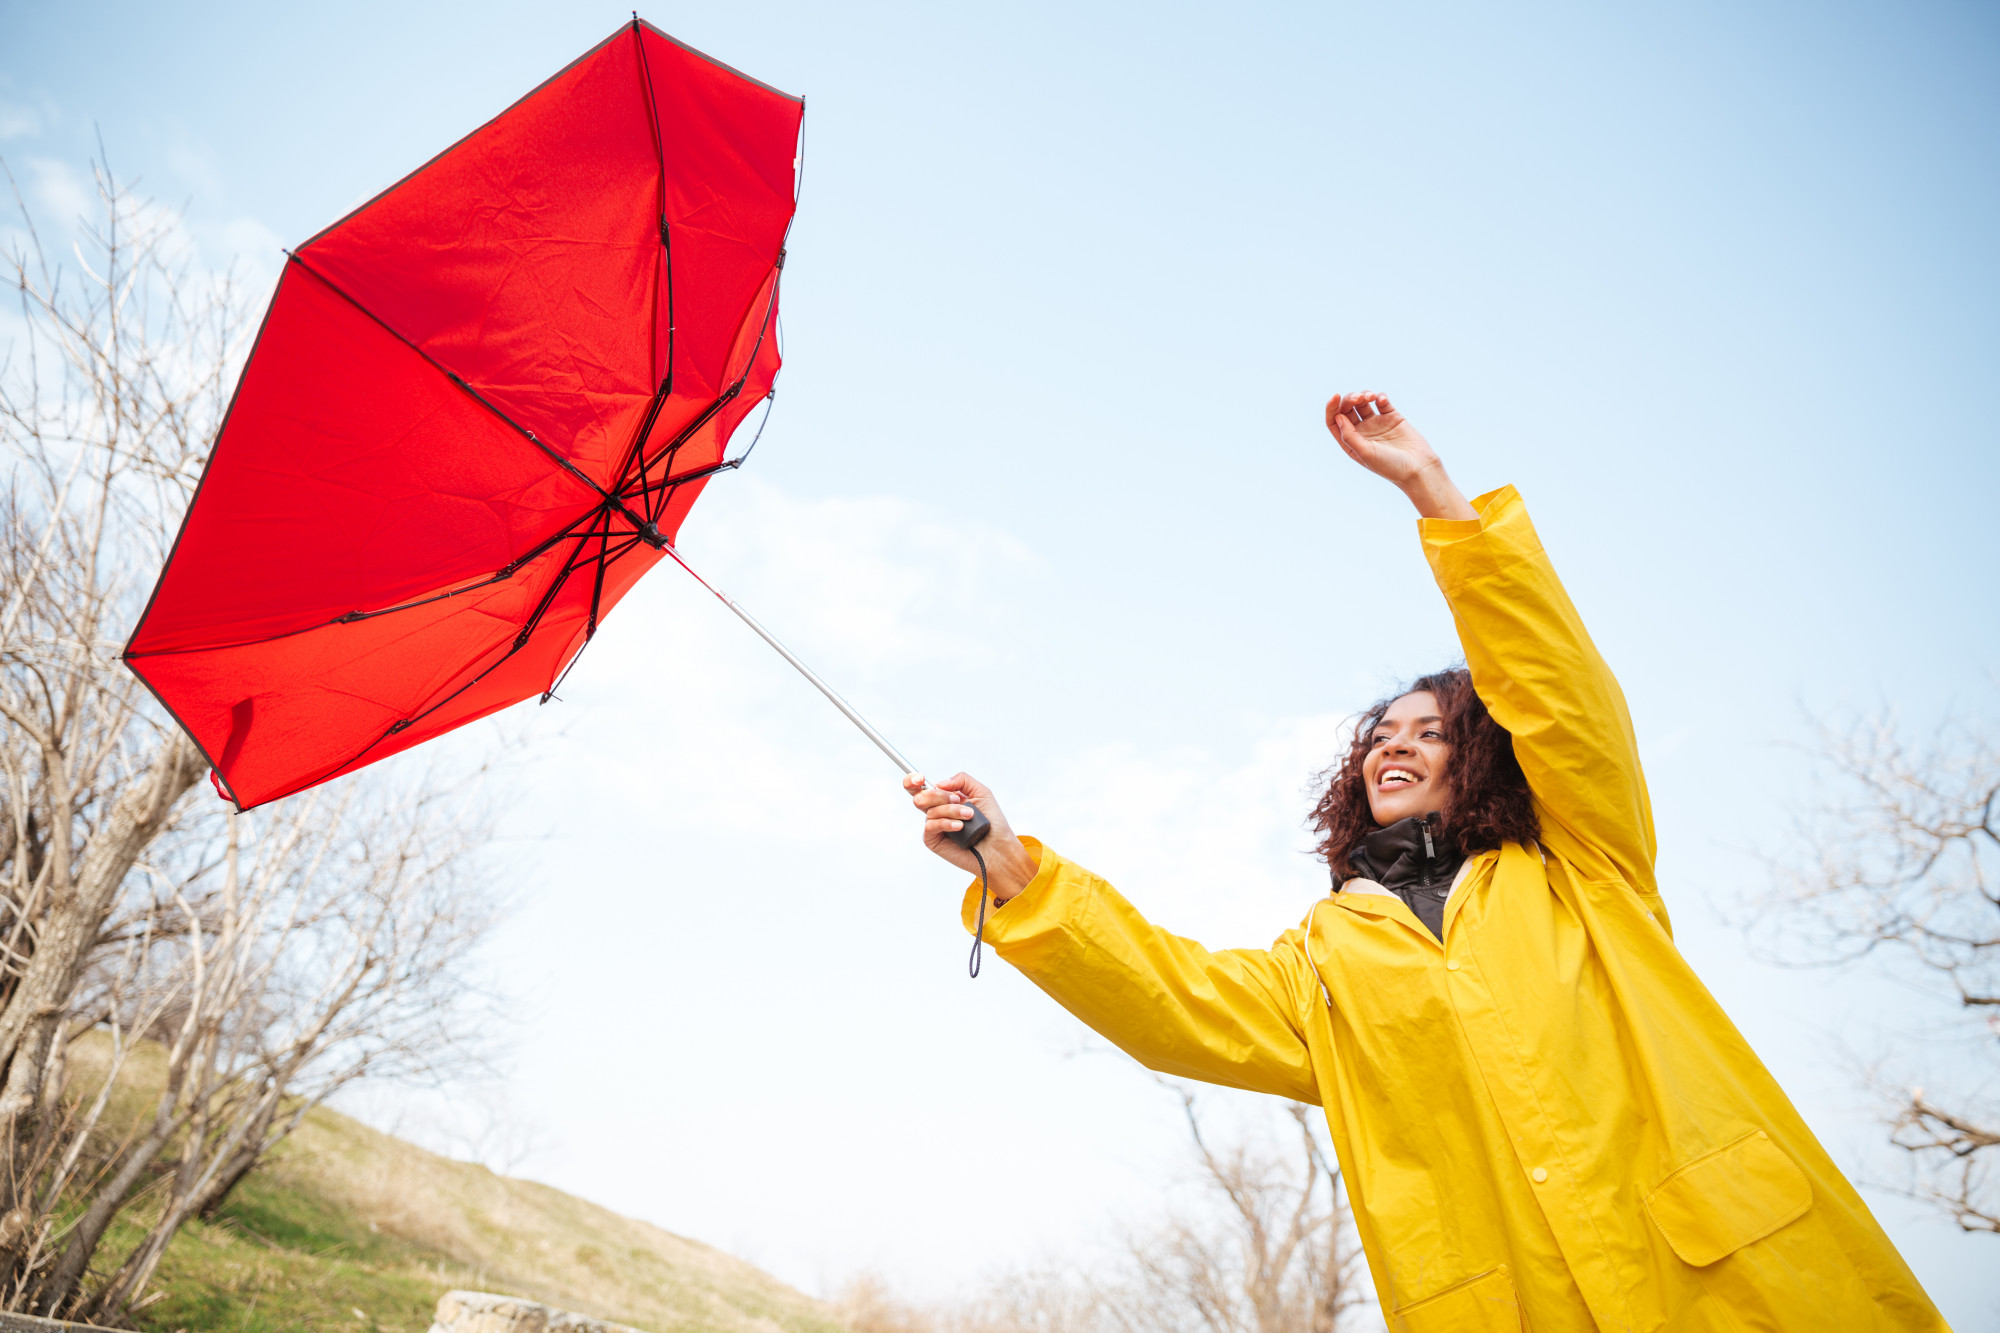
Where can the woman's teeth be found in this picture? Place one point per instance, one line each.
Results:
(1397, 777)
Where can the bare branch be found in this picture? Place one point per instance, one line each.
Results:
(1899, 867)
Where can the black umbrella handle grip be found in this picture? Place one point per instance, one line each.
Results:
(974, 832)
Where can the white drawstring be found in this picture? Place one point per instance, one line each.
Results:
(1309, 954)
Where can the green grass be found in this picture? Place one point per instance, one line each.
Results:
(282, 1258)
(345, 1219)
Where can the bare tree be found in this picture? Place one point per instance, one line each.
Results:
(1045, 1300)
(325, 946)
(1268, 1248)
(259, 961)
(110, 392)
(1273, 1253)
(1903, 872)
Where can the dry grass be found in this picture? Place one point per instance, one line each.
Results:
(346, 1227)
(535, 1241)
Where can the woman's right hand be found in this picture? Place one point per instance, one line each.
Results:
(947, 806)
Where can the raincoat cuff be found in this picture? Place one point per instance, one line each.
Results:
(1046, 865)
(1461, 548)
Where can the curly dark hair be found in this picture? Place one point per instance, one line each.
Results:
(1486, 798)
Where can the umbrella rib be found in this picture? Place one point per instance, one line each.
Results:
(520, 641)
(638, 449)
(596, 600)
(471, 392)
(521, 638)
(513, 567)
(501, 575)
(666, 388)
(597, 588)
(666, 235)
(672, 447)
(722, 400)
(667, 485)
(504, 573)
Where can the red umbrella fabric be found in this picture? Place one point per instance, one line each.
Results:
(478, 407)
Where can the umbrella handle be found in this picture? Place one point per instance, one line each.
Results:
(974, 832)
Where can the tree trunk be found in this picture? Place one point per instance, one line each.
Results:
(58, 1286)
(38, 1003)
(230, 1174)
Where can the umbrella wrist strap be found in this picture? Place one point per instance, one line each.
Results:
(979, 932)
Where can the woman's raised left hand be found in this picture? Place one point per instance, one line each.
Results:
(1374, 434)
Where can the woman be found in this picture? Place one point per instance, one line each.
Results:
(1544, 1119)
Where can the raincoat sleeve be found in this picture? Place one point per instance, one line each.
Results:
(1541, 677)
(1234, 1017)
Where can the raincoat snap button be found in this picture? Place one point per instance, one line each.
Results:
(1539, 1174)
(1452, 966)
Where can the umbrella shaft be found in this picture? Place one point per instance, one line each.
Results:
(833, 697)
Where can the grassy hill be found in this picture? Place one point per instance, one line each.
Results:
(349, 1228)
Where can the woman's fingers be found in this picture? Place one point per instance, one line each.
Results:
(950, 805)
(947, 806)
(1356, 419)
(1351, 412)
(1346, 430)
(964, 787)
(1336, 417)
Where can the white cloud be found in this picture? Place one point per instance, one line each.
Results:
(861, 577)
(19, 121)
(58, 189)
(256, 251)
(1211, 839)
(63, 196)
(196, 169)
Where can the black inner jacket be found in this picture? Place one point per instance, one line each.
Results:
(1416, 860)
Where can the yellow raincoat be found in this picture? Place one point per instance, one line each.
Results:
(1545, 1121)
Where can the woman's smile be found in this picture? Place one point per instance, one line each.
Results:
(1406, 749)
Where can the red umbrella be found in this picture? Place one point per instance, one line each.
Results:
(477, 411)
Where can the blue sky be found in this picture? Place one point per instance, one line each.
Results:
(1046, 492)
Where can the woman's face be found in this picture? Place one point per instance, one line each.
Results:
(1407, 760)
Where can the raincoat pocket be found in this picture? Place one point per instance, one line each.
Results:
(1484, 1304)
(1715, 1205)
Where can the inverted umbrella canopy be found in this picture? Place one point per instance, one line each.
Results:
(479, 408)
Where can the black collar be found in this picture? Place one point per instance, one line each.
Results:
(1409, 854)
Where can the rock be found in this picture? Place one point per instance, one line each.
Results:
(483, 1312)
